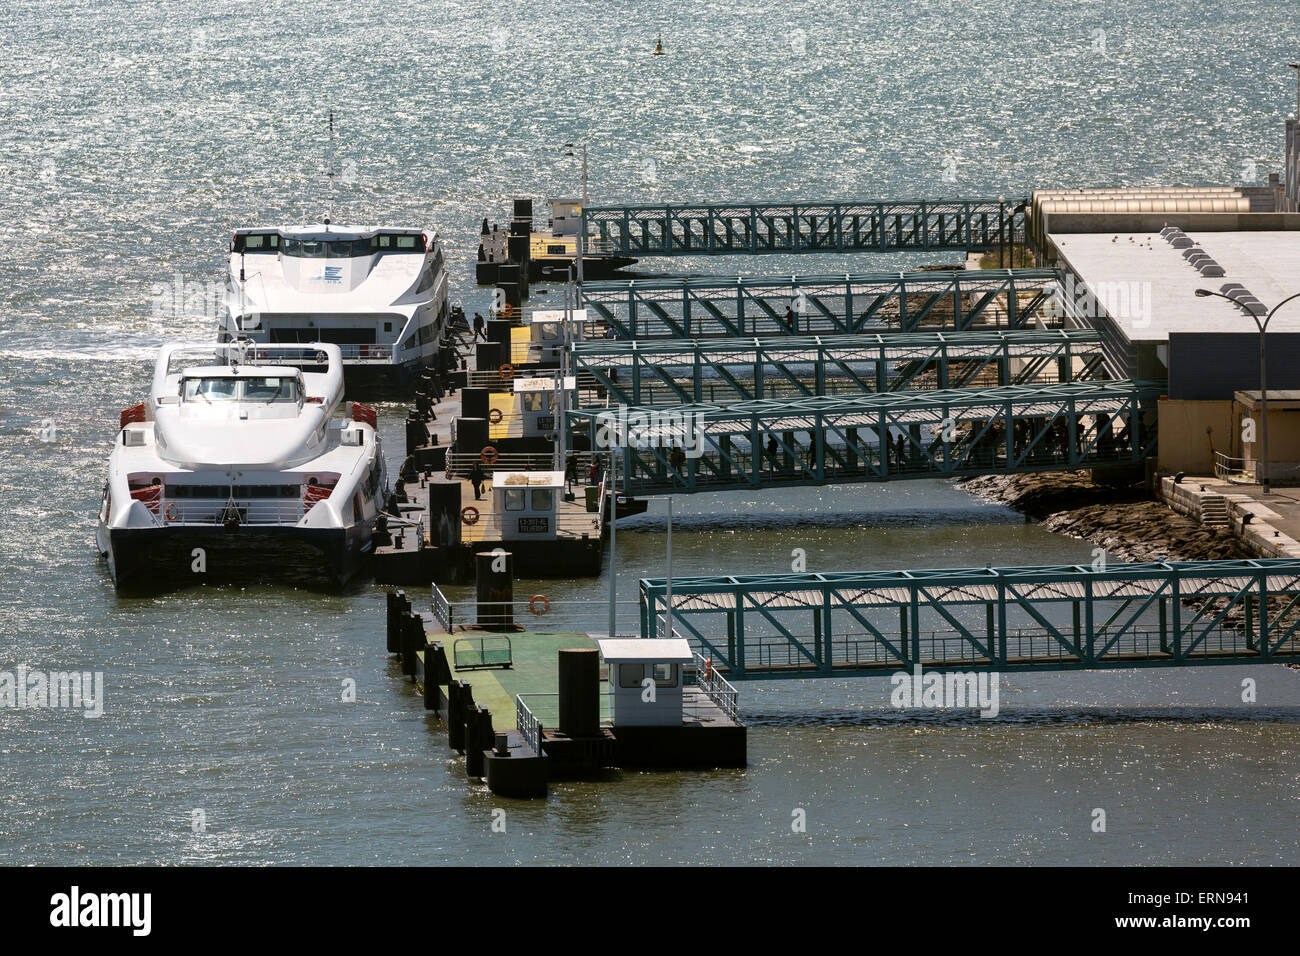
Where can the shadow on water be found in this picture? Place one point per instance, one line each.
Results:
(947, 517)
(1028, 717)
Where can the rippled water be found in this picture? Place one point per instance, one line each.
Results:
(135, 137)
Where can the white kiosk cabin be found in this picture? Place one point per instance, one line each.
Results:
(526, 503)
(546, 333)
(645, 679)
(536, 399)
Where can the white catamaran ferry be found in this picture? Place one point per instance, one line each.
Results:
(238, 461)
(379, 294)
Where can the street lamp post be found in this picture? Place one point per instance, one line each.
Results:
(1002, 222)
(1262, 466)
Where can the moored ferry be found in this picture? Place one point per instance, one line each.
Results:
(236, 462)
(379, 294)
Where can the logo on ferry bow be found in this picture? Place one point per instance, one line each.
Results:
(329, 274)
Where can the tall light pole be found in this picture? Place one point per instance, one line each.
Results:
(1262, 468)
(582, 221)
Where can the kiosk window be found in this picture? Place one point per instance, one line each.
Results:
(543, 499)
(514, 499)
(630, 675)
(665, 675)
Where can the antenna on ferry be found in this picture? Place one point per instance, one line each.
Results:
(329, 172)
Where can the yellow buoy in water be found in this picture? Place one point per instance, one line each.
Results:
(659, 46)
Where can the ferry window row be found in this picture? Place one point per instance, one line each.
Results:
(516, 500)
(214, 390)
(328, 248)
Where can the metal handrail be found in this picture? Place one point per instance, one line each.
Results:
(442, 609)
(1234, 469)
(483, 661)
(216, 511)
(716, 687)
(530, 728)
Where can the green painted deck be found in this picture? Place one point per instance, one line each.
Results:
(534, 670)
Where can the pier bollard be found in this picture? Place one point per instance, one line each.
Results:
(498, 330)
(478, 738)
(490, 356)
(579, 688)
(444, 512)
(474, 402)
(495, 588)
(502, 746)
(471, 435)
(431, 675)
(396, 609)
(412, 637)
(457, 692)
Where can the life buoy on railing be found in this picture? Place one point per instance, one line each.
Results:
(488, 455)
(469, 514)
(171, 511)
(539, 601)
(708, 668)
(507, 372)
(495, 416)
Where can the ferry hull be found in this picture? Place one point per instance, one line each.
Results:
(144, 559)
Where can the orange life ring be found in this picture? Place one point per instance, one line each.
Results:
(495, 416)
(507, 372)
(708, 669)
(171, 511)
(539, 599)
(469, 514)
(488, 455)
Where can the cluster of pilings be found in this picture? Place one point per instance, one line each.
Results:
(504, 258)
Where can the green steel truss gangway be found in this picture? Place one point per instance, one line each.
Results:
(884, 436)
(738, 306)
(674, 371)
(991, 619)
(801, 227)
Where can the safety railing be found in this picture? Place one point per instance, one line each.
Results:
(716, 687)
(527, 722)
(538, 527)
(485, 650)
(222, 511)
(461, 463)
(1243, 470)
(443, 611)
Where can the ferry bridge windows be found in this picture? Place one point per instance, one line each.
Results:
(265, 390)
(257, 242)
(326, 248)
(210, 390)
(271, 390)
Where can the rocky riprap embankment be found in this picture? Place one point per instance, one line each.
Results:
(1126, 520)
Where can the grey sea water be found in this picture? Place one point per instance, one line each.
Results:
(135, 136)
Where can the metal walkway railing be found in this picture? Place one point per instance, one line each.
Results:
(995, 619)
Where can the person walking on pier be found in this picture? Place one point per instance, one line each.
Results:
(900, 452)
(790, 320)
(772, 449)
(593, 473)
(476, 478)
(677, 458)
(480, 327)
(570, 472)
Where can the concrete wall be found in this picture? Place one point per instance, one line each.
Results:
(1184, 444)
